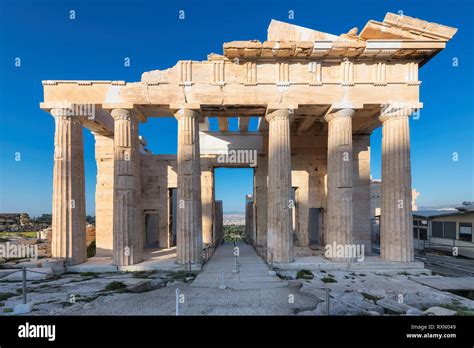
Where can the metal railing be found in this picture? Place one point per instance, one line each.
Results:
(266, 254)
(23, 270)
(52, 276)
(206, 254)
(209, 250)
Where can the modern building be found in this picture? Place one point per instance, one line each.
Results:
(445, 230)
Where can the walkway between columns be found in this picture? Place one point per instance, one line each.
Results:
(253, 271)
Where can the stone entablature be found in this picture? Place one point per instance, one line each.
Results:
(385, 55)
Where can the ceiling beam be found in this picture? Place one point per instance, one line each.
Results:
(223, 124)
(100, 122)
(244, 124)
(310, 120)
(306, 124)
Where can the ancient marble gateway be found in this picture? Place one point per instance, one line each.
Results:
(317, 96)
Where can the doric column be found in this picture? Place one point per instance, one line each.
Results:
(128, 226)
(279, 238)
(104, 194)
(261, 198)
(361, 192)
(69, 213)
(396, 230)
(189, 212)
(339, 181)
(207, 197)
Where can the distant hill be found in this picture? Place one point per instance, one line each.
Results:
(440, 207)
(234, 219)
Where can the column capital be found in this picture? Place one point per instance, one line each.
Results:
(279, 114)
(63, 112)
(81, 111)
(336, 113)
(185, 109)
(59, 112)
(122, 114)
(395, 110)
(187, 112)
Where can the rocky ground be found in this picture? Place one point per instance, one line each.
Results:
(375, 294)
(154, 293)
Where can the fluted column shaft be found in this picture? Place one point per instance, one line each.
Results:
(207, 197)
(339, 180)
(128, 233)
(69, 216)
(279, 234)
(396, 230)
(189, 212)
(104, 193)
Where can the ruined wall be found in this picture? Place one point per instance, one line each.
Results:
(249, 221)
(308, 163)
(20, 222)
(159, 174)
(309, 176)
(308, 179)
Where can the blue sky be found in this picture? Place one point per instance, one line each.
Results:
(94, 45)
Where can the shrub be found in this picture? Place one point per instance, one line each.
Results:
(304, 274)
(234, 233)
(329, 279)
(115, 286)
(6, 295)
